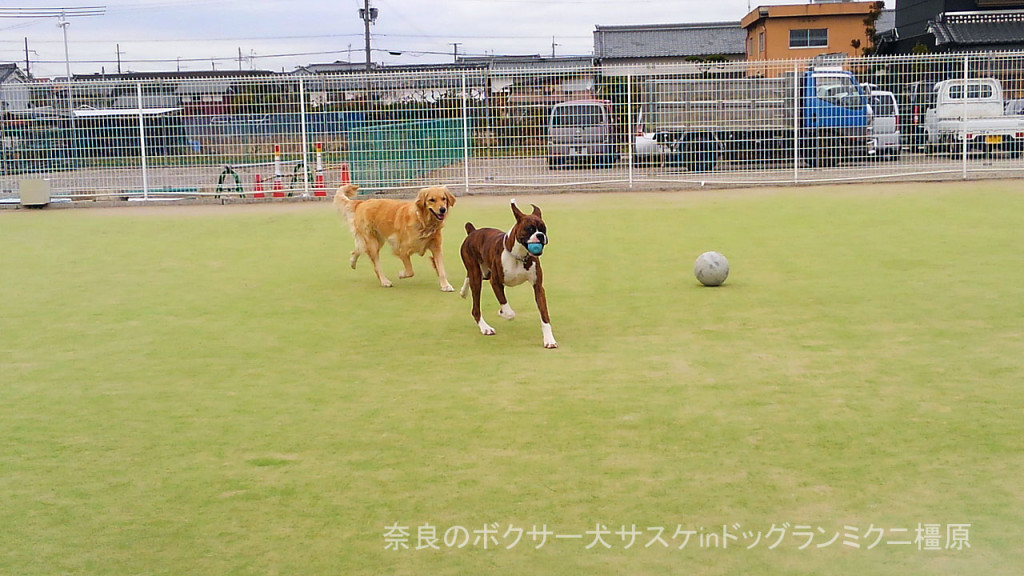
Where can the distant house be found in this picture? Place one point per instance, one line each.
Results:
(955, 26)
(339, 82)
(206, 97)
(199, 93)
(807, 30)
(625, 48)
(15, 94)
(537, 80)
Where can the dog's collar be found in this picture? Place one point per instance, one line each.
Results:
(526, 255)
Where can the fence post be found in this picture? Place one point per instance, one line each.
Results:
(465, 133)
(142, 143)
(796, 122)
(963, 122)
(630, 124)
(305, 137)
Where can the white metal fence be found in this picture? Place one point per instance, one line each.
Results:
(481, 130)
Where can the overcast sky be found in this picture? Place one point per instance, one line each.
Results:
(156, 35)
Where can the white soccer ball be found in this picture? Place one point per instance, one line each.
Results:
(711, 269)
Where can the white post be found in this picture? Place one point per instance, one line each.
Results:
(796, 122)
(963, 119)
(465, 133)
(630, 126)
(142, 144)
(63, 24)
(305, 137)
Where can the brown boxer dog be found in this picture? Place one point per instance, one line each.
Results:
(507, 259)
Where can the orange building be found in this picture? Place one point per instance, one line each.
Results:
(807, 30)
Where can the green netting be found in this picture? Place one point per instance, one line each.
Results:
(397, 153)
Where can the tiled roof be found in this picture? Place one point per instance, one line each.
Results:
(669, 40)
(975, 28)
(7, 70)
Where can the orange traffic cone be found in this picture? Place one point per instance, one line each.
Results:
(258, 192)
(345, 178)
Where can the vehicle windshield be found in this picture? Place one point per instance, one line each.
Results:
(577, 115)
(974, 92)
(840, 90)
(881, 105)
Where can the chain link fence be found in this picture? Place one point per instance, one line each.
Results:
(482, 130)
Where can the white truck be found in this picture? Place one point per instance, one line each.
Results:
(972, 110)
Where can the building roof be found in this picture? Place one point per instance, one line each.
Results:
(176, 75)
(8, 71)
(978, 28)
(340, 67)
(669, 40)
(333, 67)
(517, 64)
(812, 10)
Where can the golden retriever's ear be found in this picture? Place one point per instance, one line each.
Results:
(450, 197)
(421, 199)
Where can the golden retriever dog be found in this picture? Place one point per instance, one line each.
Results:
(411, 227)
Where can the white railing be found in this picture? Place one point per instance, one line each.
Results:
(488, 131)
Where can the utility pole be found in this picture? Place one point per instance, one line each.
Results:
(553, 46)
(28, 70)
(119, 58)
(456, 46)
(369, 16)
(63, 24)
(62, 14)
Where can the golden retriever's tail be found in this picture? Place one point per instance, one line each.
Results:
(343, 195)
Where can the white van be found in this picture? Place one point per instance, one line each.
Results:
(885, 125)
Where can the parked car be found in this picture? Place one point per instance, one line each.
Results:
(581, 132)
(885, 125)
(1013, 107)
(647, 149)
(914, 101)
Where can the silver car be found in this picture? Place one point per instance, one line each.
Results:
(885, 125)
(581, 132)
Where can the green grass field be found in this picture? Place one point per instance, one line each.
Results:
(211, 390)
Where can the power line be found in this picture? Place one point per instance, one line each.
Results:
(69, 12)
(309, 37)
(235, 57)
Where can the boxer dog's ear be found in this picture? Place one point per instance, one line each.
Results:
(536, 211)
(516, 211)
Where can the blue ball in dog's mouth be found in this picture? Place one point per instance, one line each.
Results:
(535, 248)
